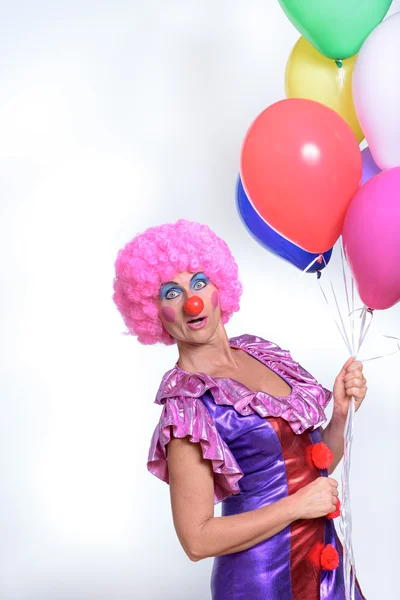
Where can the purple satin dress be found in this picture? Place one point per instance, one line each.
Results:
(260, 447)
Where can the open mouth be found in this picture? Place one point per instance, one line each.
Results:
(197, 323)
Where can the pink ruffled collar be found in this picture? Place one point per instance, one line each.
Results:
(303, 408)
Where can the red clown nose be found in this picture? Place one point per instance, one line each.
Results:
(194, 305)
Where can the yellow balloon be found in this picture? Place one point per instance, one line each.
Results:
(311, 75)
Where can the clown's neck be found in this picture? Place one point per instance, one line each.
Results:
(213, 355)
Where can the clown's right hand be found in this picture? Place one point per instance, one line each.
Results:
(317, 499)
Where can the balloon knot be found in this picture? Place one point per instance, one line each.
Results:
(319, 274)
(339, 63)
(320, 259)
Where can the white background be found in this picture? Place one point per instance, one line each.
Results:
(115, 116)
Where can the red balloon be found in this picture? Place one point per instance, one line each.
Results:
(194, 305)
(300, 167)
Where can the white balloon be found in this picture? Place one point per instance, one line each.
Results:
(376, 91)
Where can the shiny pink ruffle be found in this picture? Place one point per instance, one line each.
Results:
(302, 409)
(181, 417)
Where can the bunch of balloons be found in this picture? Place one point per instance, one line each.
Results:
(303, 178)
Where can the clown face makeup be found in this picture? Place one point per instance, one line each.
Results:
(189, 307)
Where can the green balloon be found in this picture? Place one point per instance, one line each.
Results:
(336, 28)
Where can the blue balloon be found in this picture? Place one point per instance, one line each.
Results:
(273, 241)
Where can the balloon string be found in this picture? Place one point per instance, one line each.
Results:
(352, 307)
(344, 336)
(346, 520)
(346, 523)
(392, 337)
(341, 328)
(366, 329)
(348, 344)
(353, 346)
(350, 310)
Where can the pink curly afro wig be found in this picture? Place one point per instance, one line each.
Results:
(154, 257)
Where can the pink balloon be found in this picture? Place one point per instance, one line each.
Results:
(371, 239)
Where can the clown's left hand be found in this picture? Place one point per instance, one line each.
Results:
(350, 382)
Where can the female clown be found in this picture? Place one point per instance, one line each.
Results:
(241, 422)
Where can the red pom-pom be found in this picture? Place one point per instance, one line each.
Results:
(322, 456)
(335, 513)
(329, 558)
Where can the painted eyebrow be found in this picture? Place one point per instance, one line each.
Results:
(199, 273)
(178, 285)
(169, 283)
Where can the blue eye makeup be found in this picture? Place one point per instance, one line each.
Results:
(199, 281)
(169, 291)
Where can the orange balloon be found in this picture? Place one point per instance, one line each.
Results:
(300, 167)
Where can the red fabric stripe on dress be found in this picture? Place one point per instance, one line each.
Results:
(307, 535)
